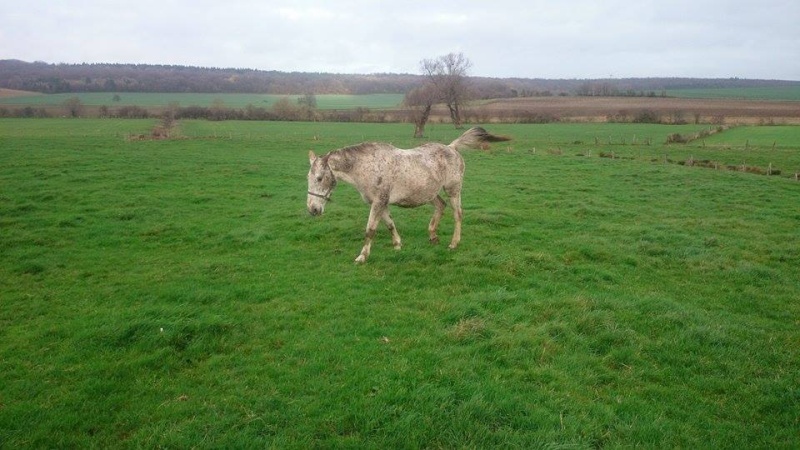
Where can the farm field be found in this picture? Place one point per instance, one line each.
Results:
(175, 293)
(667, 109)
(161, 100)
(791, 93)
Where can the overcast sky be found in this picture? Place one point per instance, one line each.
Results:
(502, 38)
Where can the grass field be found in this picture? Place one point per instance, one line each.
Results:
(175, 293)
(755, 93)
(372, 101)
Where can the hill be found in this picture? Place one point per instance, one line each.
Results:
(65, 78)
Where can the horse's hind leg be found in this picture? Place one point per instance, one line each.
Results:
(439, 206)
(455, 202)
(387, 219)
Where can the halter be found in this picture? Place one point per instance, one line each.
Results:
(326, 197)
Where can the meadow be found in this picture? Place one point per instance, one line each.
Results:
(751, 93)
(176, 293)
(163, 100)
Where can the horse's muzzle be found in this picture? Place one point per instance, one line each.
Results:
(315, 210)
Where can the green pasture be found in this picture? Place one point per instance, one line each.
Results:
(371, 101)
(176, 293)
(750, 93)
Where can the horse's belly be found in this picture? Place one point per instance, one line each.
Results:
(416, 197)
(415, 183)
(409, 203)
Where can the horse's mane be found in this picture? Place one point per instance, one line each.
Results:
(346, 157)
(358, 148)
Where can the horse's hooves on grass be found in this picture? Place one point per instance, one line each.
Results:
(434, 240)
(361, 259)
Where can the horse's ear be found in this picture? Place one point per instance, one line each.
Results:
(311, 156)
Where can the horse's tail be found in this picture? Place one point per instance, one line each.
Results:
(476, 137)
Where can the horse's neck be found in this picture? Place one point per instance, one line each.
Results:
(341, 169)
(346, 177)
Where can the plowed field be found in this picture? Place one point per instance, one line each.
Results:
(626, 108)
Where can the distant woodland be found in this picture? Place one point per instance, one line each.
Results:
(64, 78)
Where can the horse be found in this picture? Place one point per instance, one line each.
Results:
(386, 175)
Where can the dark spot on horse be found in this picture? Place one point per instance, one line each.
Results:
(346, 163)
(380, 180)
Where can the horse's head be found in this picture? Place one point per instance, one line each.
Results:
(321, 182)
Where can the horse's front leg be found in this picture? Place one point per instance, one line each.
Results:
(376, 211)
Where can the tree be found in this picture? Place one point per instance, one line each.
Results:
(73, 106)
(110, 85)
(218, 110)
(448, 75)
(308, 105)
(285, 110)
(419, 102)
(169, 115)
(308, 100)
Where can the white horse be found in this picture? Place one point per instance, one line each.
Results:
(386, 175)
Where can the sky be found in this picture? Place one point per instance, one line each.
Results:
(563, 39)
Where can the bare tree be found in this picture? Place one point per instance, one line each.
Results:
(73, 106)
(419, 102)
(286, 110)
(309, 100)
(308, 106)
(448, 75)
(218, 110)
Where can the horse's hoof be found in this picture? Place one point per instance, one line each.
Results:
(398, 247)
(361, 259)
(452, 247)
(434, 240)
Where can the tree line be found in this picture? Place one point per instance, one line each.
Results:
(65, 78)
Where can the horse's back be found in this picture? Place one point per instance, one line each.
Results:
(443, 157)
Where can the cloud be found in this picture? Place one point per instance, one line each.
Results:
(503, 38)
